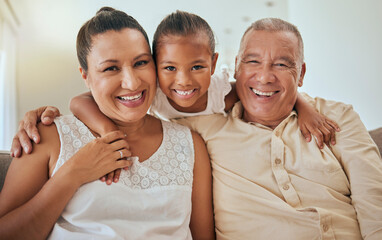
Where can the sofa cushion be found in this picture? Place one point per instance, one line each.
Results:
(5, 160)
(376, 134)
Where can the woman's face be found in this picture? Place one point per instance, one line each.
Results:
(121, 74)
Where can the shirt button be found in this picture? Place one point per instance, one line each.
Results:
(277, 161)
(286, 187)
(325, 227)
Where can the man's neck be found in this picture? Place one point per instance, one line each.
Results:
(271, 123)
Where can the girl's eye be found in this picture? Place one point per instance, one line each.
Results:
(140, 63)
(113, 68)
(170, 68)
(197, 67)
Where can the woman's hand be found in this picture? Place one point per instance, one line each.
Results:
(98, 157)
(28, 129)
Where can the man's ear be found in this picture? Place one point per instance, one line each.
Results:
(214, 61)
(302, 74)
(234, 75)
(84, 76)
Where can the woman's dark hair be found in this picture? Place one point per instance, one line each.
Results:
(106, 19)
(182, 23)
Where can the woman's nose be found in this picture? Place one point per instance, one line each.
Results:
(130, 80)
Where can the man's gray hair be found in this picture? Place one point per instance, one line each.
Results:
(276, 25)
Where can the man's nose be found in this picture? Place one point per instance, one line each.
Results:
(265, 74)
(130, 80)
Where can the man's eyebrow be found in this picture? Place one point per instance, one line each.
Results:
(250, 55)
(288, 60)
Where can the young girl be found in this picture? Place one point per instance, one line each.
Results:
(184, 51)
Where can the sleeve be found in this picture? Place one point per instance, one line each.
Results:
(362, 164)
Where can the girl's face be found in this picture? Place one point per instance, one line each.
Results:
(121, 74)
(185, 65)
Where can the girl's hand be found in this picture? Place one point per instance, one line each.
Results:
(98, 157)
(28, 129)
(322, 128)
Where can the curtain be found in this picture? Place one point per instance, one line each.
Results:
(8, 104)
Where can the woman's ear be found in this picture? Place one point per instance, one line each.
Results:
(214, 61)
(84, 76)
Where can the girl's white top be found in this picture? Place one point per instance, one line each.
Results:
(152, 200)
(218, 89)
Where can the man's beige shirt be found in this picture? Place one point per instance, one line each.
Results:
(272, 184)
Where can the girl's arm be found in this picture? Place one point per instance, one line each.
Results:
(202, 219)
(312, 122)
(31, 202)
(85, 108)
(231, 98)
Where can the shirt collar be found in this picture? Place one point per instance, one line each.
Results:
(237, 113)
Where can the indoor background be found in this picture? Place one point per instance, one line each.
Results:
(38, 64)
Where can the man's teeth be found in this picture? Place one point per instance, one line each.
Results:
(260, 93)
(131, 98)
(184, 93)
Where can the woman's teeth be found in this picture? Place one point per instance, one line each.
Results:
(260, 93)
(131, 98)
(184, 93)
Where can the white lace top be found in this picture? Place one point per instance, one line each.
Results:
(152, 200)
(218, 89)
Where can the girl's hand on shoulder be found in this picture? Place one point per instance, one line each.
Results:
(28, 129)
(322, 128)
(99, 157)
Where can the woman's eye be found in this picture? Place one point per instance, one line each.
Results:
(197, 67)
(170, 68)
(113, 68)
(253, 61)
(140, 63)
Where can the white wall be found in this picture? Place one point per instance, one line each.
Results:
(343, 50)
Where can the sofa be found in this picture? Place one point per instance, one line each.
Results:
(5, 158)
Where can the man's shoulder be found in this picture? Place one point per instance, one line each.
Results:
(330, 108)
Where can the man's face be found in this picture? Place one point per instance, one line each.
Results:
(268, 71)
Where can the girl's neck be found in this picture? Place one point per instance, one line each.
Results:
(199, 106)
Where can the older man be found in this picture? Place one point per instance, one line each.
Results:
(269, 183)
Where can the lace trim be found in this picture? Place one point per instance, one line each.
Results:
(172, 164)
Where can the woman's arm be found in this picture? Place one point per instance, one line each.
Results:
(202, 219)
(30, 202)
(86, 109)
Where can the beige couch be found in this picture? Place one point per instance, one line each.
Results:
(5, 159)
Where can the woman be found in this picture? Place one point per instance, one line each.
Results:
(56, 194)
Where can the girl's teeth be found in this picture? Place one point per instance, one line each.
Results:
(184, 92)
(268, 94)
(131, 98)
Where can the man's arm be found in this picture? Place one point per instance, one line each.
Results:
(362, 164)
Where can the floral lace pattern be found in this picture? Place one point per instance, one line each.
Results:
(172, 164)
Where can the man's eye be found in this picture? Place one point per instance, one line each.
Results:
(280, 65)
(197, 67)
(170, 68)
(140, 63)
(113, 68)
